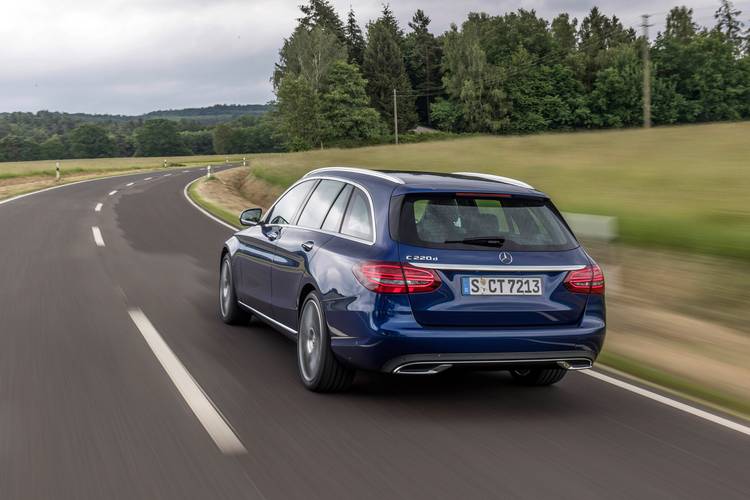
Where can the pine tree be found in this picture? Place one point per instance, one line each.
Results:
(355, 42)
(423, 55)
(728, 22)
(385, 71)
(321, 13)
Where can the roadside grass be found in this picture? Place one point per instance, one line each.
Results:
(211, 208)
(681, 187)
(690, 389)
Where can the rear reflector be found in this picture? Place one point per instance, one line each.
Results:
(587, 280)
(393, 277)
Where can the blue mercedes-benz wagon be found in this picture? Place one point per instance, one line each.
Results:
(416, 273)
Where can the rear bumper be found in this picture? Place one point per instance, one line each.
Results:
(392, 351)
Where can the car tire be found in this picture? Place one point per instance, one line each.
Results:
(318, 367)
(230, 311)
(538, 376)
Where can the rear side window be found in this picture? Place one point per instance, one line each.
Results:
(319, 204)
(472, 221)
(336, 213)
(358, 218)
(286, 208)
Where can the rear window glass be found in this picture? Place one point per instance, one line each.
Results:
(468, 221)
(358, 221)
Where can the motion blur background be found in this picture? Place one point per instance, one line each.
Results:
(632, 117)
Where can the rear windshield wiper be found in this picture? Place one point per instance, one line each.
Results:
(484, 241)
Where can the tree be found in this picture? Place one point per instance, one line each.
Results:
(159, 137)
(355, 42)
(344, 107)
(320, 13)
(91, 141)
(564, 36)
(385, 71)
(472, 83)
(15, 148)
(597, 35)
(616, 99)
(298, 113)
(728, 22)
(53, 148)
(423, 63)
(309, 53)
(199, 142)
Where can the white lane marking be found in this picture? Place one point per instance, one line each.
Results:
(167, 175)
(216, 219)
(97, 236)
(98, 207)
(148, 178)
(129, 184)
(186, 171)
(112, 192)
(725, 422)
(208, 415)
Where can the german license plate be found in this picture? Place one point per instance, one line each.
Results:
(494, 285)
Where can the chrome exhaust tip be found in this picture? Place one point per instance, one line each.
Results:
(422, 369)
(575, 364)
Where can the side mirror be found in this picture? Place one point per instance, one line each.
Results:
(251, 216)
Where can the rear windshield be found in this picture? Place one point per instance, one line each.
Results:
(478, 221)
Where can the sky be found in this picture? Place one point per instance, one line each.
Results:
(134, 56)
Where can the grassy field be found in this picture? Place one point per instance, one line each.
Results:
(682, 187)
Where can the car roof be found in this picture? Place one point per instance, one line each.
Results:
(402, 181)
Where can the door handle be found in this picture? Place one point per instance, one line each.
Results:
(307, 246)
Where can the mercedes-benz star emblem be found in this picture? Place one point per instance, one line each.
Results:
(506, 258)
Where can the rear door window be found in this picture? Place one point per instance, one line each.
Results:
(319, 204)
(475, 221)
(336, 213)
(287, 206)
(358, 218)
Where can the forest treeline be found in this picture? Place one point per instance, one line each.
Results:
(338, 84)
(513, 73)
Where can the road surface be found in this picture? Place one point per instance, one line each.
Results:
(109, 338)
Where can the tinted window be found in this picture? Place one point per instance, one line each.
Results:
(319, 203)
(333, 219)
(286, 208)
(357, 221)
(475, 222)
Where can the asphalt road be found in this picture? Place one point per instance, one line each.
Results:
(88, 411)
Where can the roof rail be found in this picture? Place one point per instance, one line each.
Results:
(363, 171)
(496, 178)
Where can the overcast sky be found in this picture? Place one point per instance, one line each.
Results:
(135, 56)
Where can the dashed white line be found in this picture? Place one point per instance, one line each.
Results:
(725, 422)
(148, 178)
(167, 175)
(186, 171)
(112, 192)
(207, 413)
(98, 207)
(97, 236)
(129, 184)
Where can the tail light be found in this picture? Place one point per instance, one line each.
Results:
(393, 277)
(590, 279)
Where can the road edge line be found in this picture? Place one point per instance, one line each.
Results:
(201, 209)
(684, 407)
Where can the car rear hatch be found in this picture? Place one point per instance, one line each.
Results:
(502, 260)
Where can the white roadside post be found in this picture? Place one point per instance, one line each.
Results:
(226, 160)
(165, 163)
(57, 171)
(244, 161)
(208, 172)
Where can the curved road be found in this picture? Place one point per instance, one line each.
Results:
(96, 340)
